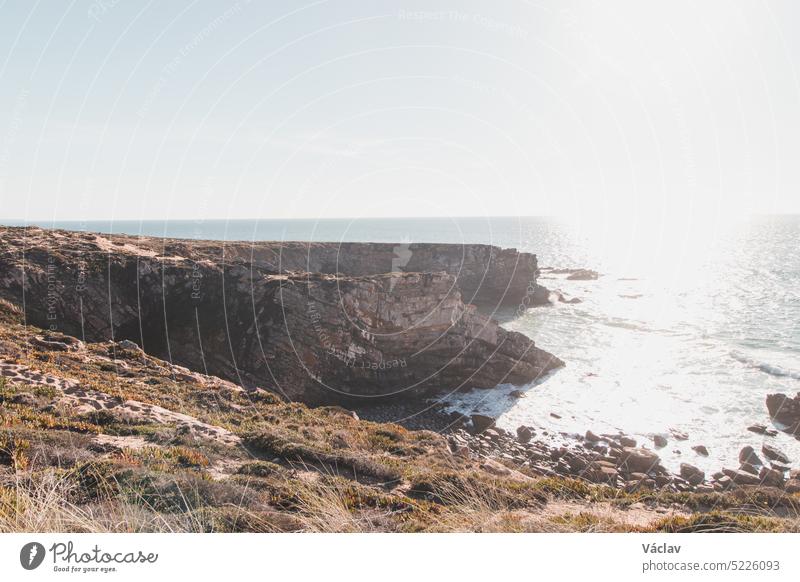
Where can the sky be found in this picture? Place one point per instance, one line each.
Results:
(115, 109)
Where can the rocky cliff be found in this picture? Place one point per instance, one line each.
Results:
(316, 322)
(486, 275)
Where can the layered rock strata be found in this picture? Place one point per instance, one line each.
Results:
(315, 334)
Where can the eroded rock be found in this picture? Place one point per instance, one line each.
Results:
(785, 410)
(762, 429)
(638, 460)
(524, 434)
(741, 477)
(481, 422)
(660, 441)
(774, 454)
(771, 477)
(248, 313)
(692, 474)
(748, 455)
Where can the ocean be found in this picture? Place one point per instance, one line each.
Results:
(691, 324)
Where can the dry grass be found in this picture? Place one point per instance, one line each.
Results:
(333, 507)
(94, 499)
(48, 504)
(726, 522)
(44, 506)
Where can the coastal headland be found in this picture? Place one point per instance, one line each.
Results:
(170, 385)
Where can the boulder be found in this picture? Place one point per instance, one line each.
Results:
(129, 345)
(481, 422)
(700, 450)
(771, 477)
(679, 435)
(583, 275)
(692, 474)
(792, 486)
(748, 455)
(604, 463)
(590, 436)
(524, 434)
(741, 477)
(774, 454)
(749, 468)
(761, 429)
(638, 460)
(458, 420)
(724, 482)
(627, 441)
(659, 441)
(49, 345)
(492, 433)
(577, 464)
(785, 410)
(571, 301)
(517, 394)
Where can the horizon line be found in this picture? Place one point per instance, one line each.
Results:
(3, 221)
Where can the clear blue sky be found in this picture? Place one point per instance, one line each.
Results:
(123, 109)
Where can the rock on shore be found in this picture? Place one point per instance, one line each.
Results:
(612, 460)
(785, 410)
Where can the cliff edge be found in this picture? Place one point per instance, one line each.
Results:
(316, 322)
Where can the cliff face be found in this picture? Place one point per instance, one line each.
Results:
(254, 314)
(486, 275)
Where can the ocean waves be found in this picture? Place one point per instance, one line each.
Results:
(766, 367)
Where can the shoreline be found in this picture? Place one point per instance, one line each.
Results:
(608, 459)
